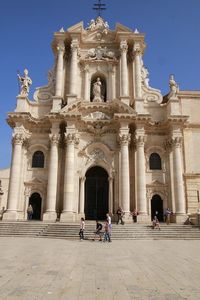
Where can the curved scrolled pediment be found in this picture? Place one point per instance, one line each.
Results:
(45, 93)
(151, 95)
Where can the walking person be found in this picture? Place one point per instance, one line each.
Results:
(30, 212)
(108, 218)
(106, 232)
(120, 214)
(167, 215)
(98, 231)
(82, 228)
(134, 215)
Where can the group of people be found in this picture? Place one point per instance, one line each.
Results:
(104, 232)
(104, 236)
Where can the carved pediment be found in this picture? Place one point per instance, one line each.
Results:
(76, 28)
(97, 115)
(107, 108)
(156, 183)
(35, 181)
(122, 28)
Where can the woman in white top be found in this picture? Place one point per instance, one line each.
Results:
(82, 228)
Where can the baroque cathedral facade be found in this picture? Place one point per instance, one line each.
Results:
(98, 137)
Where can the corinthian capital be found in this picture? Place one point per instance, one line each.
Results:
(140, 140)
(176, 141)
(18, 138)
(123, 46)
(75, 46)
(137, 49)
(54, 138)
(124, 139)
(61, 46)
(71, 138)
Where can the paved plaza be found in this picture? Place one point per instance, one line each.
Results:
(51, 269)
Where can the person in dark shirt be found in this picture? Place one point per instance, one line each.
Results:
(98, 231)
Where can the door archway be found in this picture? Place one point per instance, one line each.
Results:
(36, 201)
(96, 193)
(157, 206)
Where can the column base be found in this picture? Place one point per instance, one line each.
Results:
(127, 218)
(125, 99)
(50, 216)
(10, 216)
(180, 218)
(71, 98)
(67, 216)
(57, 103)
(144, 219)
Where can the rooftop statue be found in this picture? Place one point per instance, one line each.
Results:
(173, 86)
(25, 83)
(99, 24)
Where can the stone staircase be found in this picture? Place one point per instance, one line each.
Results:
(119, 232)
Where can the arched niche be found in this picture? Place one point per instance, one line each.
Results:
(98, 85)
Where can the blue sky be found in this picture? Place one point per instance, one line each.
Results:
(172, 31)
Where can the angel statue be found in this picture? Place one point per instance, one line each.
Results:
(25, 82)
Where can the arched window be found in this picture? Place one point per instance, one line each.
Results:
(155, 162)
(38, 159)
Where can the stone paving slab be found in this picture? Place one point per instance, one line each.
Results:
(48, 269)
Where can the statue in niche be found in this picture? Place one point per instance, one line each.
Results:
(97, 91)
(25, 83)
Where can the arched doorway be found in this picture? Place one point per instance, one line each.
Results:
(36, 201)
(157, 206)
(96, 194)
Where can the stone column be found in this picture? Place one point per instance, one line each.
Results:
(59, 69)
(138, 71)
(124, 69)
(27, 193)
(57, 99)
(113, 83)
(73, 67)
(110, 195)
(68, 199)
(87, 84)
(15, 177)
(50, 213)
(178, 179)
(141, 176)
(124, 139)
(82, 196)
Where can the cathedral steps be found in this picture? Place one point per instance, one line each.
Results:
(119, 232)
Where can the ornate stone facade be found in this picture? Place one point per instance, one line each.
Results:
(98, 136)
